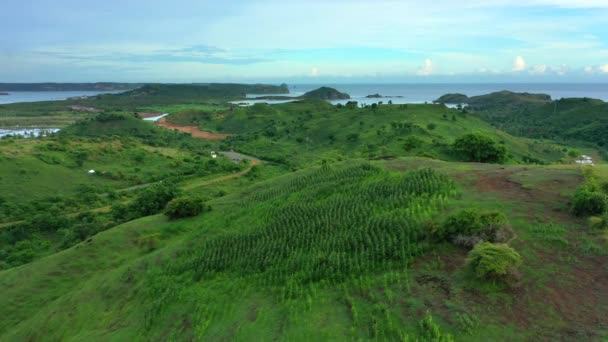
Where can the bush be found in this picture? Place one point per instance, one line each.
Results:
(489, 260)
(475, 147)
(587, 202)
(469, 227)
(431, 126)
(149, 201)
(412, 142)
(185, 207)
(599, 222)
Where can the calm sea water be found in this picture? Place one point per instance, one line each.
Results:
(36, 96)
(402, 93)
(420, 93)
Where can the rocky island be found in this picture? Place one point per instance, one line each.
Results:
(4, 93)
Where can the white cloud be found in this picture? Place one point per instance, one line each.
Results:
(559, 70)
(588, 70)
(314, 72)
(427, 68)
(604, 68)
(538, 69)
(519, 64)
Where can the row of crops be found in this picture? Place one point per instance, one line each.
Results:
(328, 224)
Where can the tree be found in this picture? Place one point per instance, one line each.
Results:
(476, 147)
(588, 202)
(490, 260)
(186, 206)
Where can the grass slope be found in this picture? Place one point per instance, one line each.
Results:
(299, 132)
(320, 254)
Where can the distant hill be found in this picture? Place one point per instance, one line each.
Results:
(99, 86)
(185, 93)
(538, 116)
(455, 98)
(507, 100)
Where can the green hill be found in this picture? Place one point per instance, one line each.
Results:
(154, 94)
(335, 252)
(452, 99)
(300, 132)
(536, 116)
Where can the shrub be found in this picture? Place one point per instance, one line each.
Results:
(412, 142)
(431, 126)
(489, 260)
(185, 207)
(587, 202)
(469, 227)
(149, 201)
(475, 147)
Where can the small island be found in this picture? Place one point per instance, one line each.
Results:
(374, 96)
(323, 93)
(4, 94)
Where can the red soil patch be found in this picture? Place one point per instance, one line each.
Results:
(193, 130)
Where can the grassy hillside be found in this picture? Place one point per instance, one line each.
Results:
(304, 131)
(537, 116)
(335, 252)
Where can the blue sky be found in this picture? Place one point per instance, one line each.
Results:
(301, 41)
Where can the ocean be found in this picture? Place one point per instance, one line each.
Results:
(420, 93)
(401, 93)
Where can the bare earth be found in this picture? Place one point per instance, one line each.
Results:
(195, 131)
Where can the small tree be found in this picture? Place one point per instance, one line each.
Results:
(475, 147)
(185, 207)
(490, 260)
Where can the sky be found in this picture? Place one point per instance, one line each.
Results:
(304, 41)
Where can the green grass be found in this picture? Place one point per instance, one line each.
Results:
(301, 132)
(246, 270)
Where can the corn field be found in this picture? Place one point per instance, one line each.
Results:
(329, 224)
